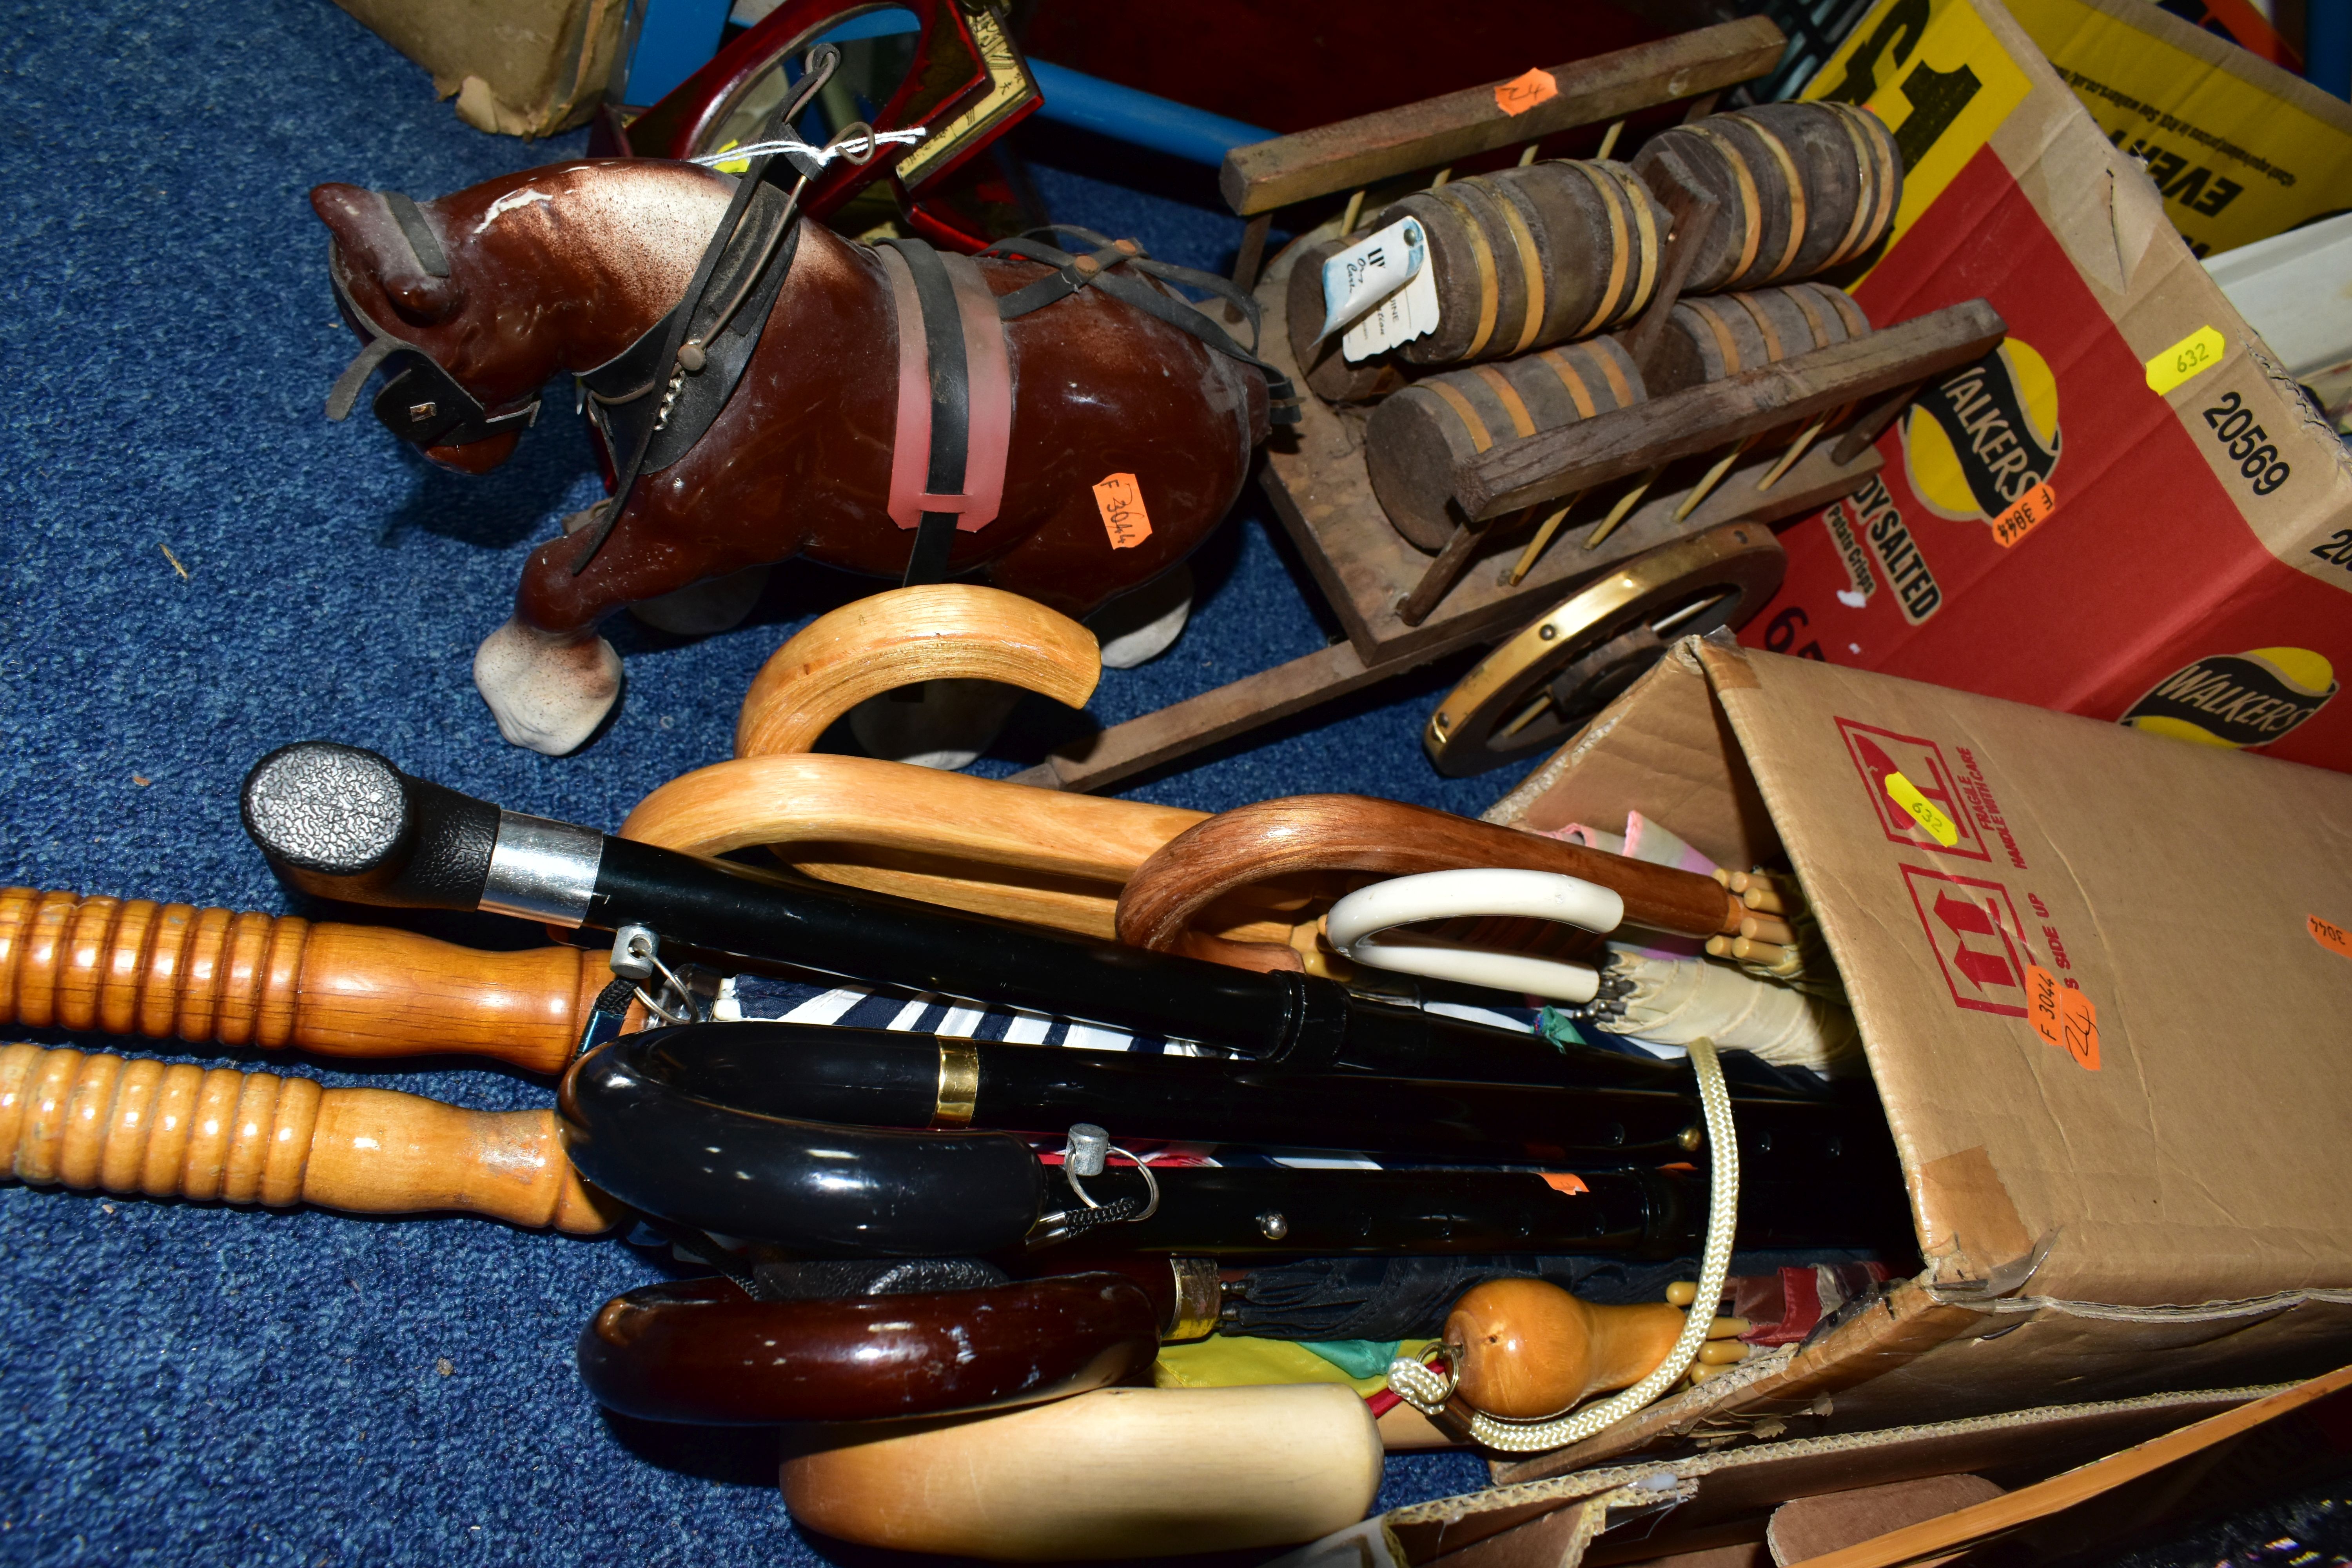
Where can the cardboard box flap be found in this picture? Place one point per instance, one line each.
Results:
(2192, 1146)
(1664, 749)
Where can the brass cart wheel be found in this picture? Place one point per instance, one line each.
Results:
(1539, 687)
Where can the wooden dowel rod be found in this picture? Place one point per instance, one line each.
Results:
(1443, 573)
(132, 966)
(1251, 253)
(1625, 503)
(96, 1122)
(1764, 927)
(1713, 477)
(1535, 549)
(1528, 155)
(1355, 210)
(1608, 139)
(1796, 450)
(1873, 424)
(1765, 900)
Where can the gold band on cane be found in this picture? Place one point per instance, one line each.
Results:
(1646, 227)
(958, 1094)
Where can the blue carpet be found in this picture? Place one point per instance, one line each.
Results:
(189, 1383)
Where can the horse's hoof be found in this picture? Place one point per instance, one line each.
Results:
(947, 730)
(1140, 624)
(705, 607)
(547, 692)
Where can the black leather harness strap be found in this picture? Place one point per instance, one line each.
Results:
(1076, 272)
(418, 232)
(951, 404)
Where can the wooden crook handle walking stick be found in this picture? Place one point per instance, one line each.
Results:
(1311, 833)
(135, 1125)
(132, 966)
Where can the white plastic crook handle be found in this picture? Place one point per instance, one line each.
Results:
(1356, 922)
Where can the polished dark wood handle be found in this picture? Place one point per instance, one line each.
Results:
(132, 966)
(703, 1351)
(89, 1121)
(1324, 832)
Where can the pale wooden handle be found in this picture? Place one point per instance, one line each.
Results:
(981, 845)
(1120, 1472)
(130, 967)
(1526, 1349)
(88, 1121)
(902, 637)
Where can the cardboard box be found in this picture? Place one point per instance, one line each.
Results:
(2160, 1209)
(519, 68)
(2241, 149)
(2178, 584)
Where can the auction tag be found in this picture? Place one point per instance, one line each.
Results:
(1120, 502)
(1562, 1182)
(2078, 1027)
(2029, 510)
(2333, 938)
(1522, 93)
(1361, 274)
(2193, 355)
(1905, 793)
(1403, 316)
(2041, 992)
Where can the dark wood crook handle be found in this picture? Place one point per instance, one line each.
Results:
(1310, 833)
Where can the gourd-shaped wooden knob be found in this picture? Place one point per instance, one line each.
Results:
(123, 1125)
(1526, 1348)
(130, 967)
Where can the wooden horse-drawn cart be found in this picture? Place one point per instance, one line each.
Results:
(1691, 478)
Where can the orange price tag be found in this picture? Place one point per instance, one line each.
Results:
(1522, 93)
(2028, 511)
(1562, 1182)
(1120, 502)
(2335, 939)
(2078, 1023)
(2042, 994)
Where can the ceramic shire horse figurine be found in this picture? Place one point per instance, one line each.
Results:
(1100, 443)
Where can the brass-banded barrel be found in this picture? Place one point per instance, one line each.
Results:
(1710, 337)
(1416, 439)
(1800, 187)
(1529, 256)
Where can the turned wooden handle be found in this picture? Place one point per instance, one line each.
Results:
(905, 636)
(1120, 1472)
(979, 844)
(130, 967)
(1525, 1348)
(88, 1121)
(1312, 833)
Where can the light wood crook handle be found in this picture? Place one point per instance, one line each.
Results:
(130, 966)
(172, 1129)
(982, 846)
(907, 636)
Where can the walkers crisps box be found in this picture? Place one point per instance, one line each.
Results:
(2162, 1200)
(2127, 510)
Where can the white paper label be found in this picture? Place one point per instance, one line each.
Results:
(1401, 318)
(1363, 274)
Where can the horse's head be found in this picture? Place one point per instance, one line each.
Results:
(472, 301)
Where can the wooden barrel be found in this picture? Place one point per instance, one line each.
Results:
(1710, 337)
(1525, 257)
(1326, 370)
(1414, 439)
(1800, 187)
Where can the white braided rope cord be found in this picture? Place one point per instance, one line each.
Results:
(1427, 1390)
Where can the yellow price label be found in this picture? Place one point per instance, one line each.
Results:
(1905, 793)
(733, 166)
(2193, 355)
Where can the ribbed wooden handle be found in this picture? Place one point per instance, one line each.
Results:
(903, 638)
(88, 1121)
(1311, 833)
(130, 966)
